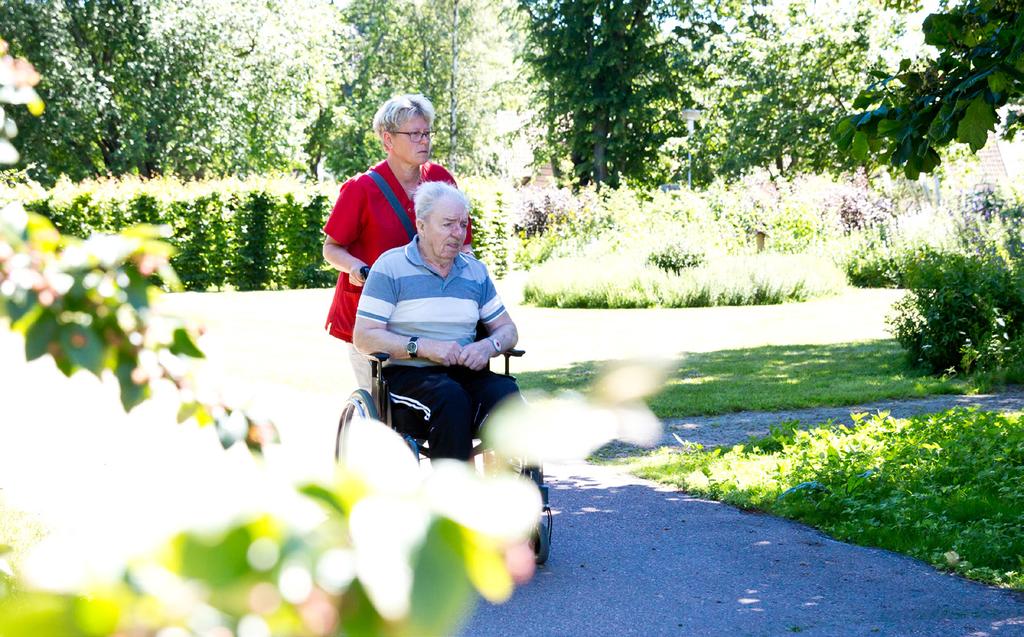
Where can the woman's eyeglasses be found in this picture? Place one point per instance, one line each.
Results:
(415, 136)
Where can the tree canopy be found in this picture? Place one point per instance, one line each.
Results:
(974, 83)
(610, 84)
(776, 80)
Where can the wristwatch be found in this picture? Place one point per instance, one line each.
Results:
(364, 272)
(412, 346)
(497, 345)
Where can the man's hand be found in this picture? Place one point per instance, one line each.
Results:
(475, 355)
(446, 353)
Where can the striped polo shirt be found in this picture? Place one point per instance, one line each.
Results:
(413, 300)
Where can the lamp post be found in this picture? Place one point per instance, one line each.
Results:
(691, 115)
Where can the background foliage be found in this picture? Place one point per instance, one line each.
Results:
(957, 96)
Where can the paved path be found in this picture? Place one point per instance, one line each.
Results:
(630, 557)
(729, 429)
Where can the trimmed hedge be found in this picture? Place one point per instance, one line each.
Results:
(249, 235)
(258, 234)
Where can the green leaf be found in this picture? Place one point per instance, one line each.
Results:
(131, 393)
(843, 133)
(33, 614)
(217, 561)
(83, 347)
(999, 83)
(977, 121)
(864, 100)
(40, 334)
(441, 590)
(890, 127)
(902, 152)
(942, 29)
(183, 345)
(912, 169)
(930, 161)
(324, 496)
(859, 148)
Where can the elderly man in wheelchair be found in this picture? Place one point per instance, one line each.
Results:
(421, 305)
(431, 320)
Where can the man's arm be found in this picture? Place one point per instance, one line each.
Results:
(370, 336)
(342, 259)
(502, 336)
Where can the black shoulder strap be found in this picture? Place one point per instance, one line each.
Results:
(389, 194)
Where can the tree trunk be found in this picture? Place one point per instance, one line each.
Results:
(453, 136)
(600, 148)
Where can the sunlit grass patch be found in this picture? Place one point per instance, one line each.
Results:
(947, 488)
(775, 377)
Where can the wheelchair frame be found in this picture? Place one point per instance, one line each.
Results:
(376, 405)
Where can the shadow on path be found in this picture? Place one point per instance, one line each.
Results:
(632, 558)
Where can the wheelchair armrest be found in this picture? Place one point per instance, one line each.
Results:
(508, 356)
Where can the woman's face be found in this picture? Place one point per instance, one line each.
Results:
(400, 145)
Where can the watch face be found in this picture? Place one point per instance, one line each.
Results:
(412, 347)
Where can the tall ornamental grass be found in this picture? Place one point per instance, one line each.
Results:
(727, 280)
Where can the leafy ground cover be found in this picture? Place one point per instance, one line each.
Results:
(770, 378)
(945, 488)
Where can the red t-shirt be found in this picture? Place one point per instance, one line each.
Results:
(364, 223)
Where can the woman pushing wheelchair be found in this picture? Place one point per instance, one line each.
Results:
(374, 211)
(421, 305)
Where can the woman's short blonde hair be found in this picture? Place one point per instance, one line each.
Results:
(430, 193)
(400, 109)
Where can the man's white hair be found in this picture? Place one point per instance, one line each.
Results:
(400, 109)
(430, 193)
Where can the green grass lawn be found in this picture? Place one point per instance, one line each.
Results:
(774, 377)
(829, 352)
(947, 488)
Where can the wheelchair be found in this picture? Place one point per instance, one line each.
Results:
(376, 405)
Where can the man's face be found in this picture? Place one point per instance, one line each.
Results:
(443, 232)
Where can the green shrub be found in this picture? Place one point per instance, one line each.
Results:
(945, 488)
(962, 312)
(625, 283)
(677, 257)
(978, 222)
(491, 223)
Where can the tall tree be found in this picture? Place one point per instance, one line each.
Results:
(906, 117)
(777, 80)
(187, 87)
(607, 86)
(452, 51)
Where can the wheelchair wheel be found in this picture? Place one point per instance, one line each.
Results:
(541, 540)
(359, 405)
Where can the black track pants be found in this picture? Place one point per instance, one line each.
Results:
(445, 405)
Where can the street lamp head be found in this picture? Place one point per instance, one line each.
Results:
(691, 115)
